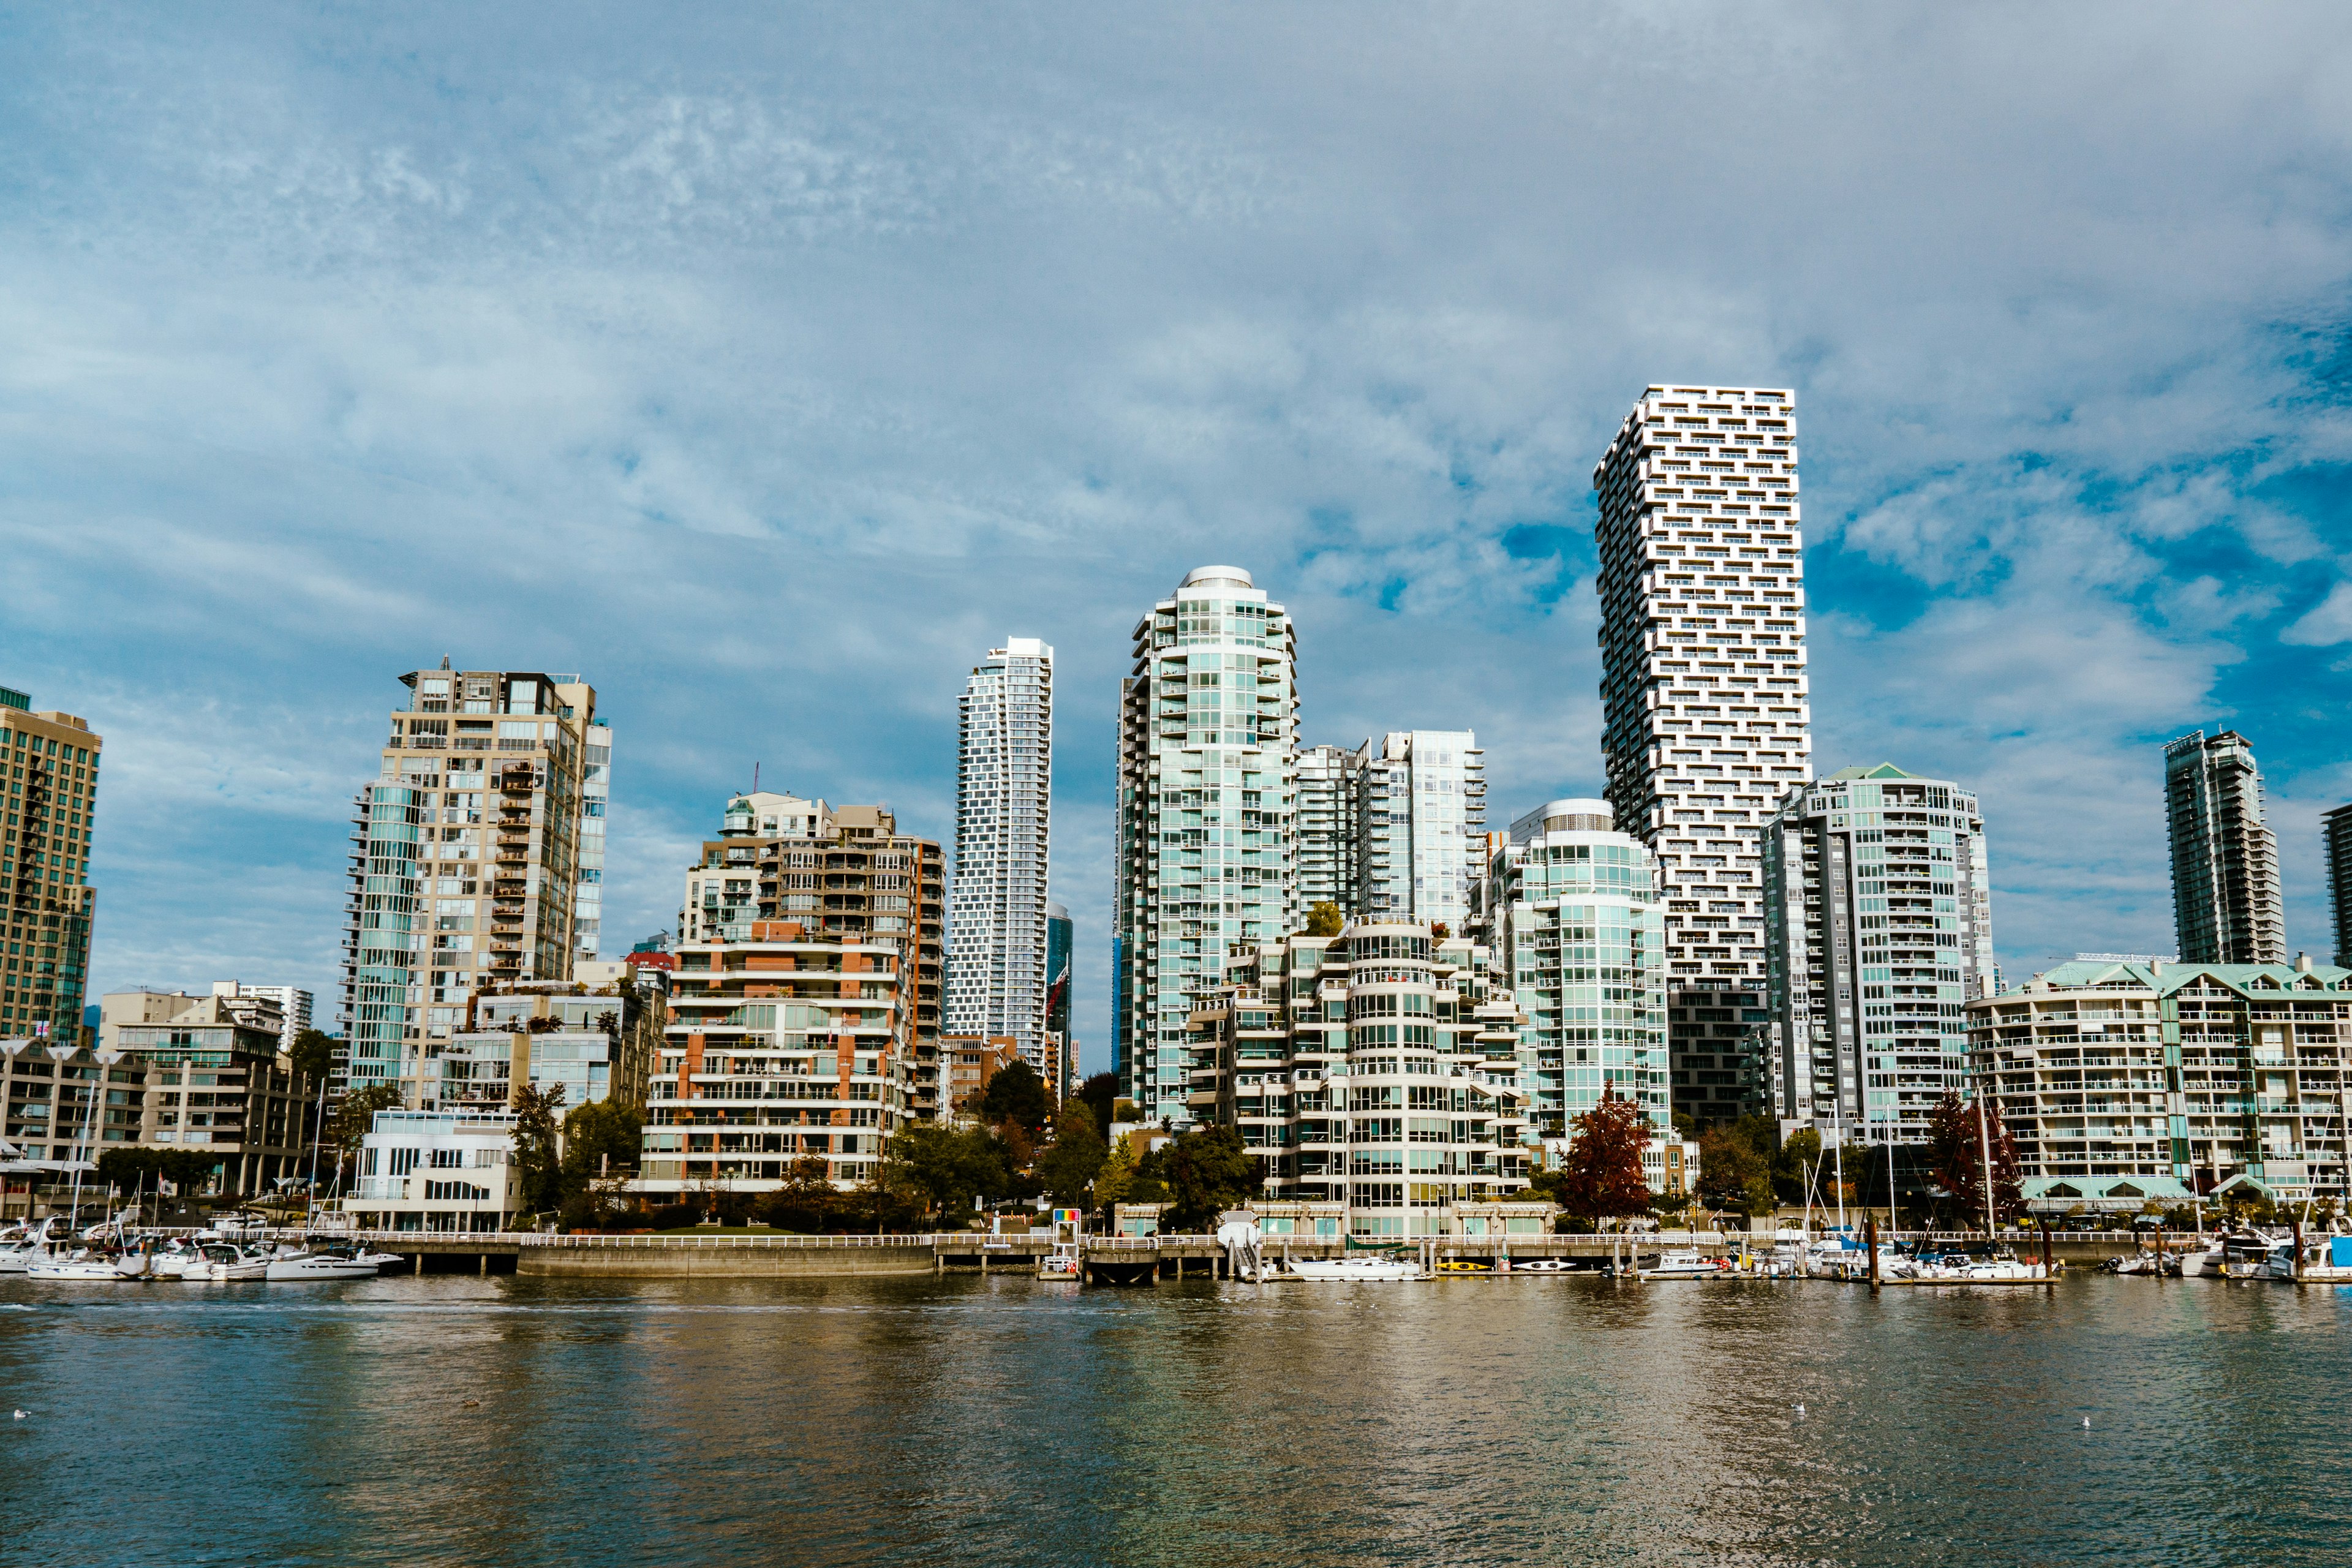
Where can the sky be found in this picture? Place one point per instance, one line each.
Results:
(767, 365)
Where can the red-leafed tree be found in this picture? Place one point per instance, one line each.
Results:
(1601, 1176)
(1956, 1143)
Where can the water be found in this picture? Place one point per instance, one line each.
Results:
(921, 1421)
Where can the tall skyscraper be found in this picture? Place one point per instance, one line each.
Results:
(1878, 921)
(1329, 845)
(466, 864)
(48, 783)
(1581, 936)
(1422, 817)
(2226, 904)
(1061, 942)
(1703, 696)
(595, 801)
(1207, 796)
(1004, 793)
(2336, 831)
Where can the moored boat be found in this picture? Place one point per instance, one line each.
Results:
(1371, 1270)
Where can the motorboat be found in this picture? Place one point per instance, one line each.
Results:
(177, 1258)
(2148, 1262)
(2276, 1261)
(1061, 1263)
(1966, 1269)
(1686, 1265)
(1370, 1271)
(27, 1245)
(321, 1264)
(225, 1263)
(82, 1263)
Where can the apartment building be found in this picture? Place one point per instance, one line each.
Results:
(465, 867)
(212, 1079)
(1061, 946)
(52, 1094)
(1330, 853)
(840, 873)
(2335, 835)
(967, 1063)
(48, 788)
(2123, 1081)
(1376, 1070)
(1207, 793)
(1706, 723)
(997, 961)
(1580, 925)
(594, 1042)
(2226, 903)
(294, 1005)
(1878, 924)
(1420, 825)
(596, 807)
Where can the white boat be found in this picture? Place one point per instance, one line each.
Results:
(81, 1264)
(288, 1266)
(2275, 1262)
(1686, 1265)
(1061, 1263)
(1368, 1269)
(26, 1246)
(225, 1264)
(1965, 1268)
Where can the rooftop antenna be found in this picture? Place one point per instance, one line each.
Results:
(755, 778)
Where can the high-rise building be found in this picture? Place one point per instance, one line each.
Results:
(1878, 921)
(1702, 695)
(48, 783)
(843, 877)
(2336, 830)
(294, 1006)
(466, 863)
(1207, 793)
(1329, 846)
(1581, 932)
(997, 973)
(2226, 904)
(1422, 826)
(1061, 943)
(595, 804)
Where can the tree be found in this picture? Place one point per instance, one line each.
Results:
(947, 1166)
(129, 1169)
(1206, 1171)
(601, 1137)
(1324, 918)
(1439, 930)
(1956, 1154)
(1096, 1094)
(536, 1161)
(1078, 1154)
(1015, 1094)
(356, 1115)
(1601, 1177)
(1796, 1161)
(806, 1200)
(1735, 1166)
(313, 1055)
(1116, 1177)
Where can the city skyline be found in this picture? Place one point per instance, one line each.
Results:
(886, 386)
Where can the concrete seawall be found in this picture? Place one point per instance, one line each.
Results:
(558, 1261)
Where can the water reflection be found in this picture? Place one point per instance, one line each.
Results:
(917, 1421)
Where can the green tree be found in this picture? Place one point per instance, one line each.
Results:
(538, 1163)
(806, 1201)
(313, 1055)
(1956, 1143)
(1115, 1179)
(1206, 1171)
(356, 1115)
(1098, 1093)
(948, 1167)
(1795, 1159)
(1324, 918)
(600, 1138)
(1735, 1166)
(1078, 1154)
(1601, 1177)
(1015, 1094)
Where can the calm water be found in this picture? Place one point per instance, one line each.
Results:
(1512, 1421)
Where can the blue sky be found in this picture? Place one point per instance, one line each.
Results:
(767, 365)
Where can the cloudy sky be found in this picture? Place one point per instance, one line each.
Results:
(767, 366)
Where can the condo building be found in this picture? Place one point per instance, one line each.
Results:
(1377, 1070)
(1207, 796)
(725, 896)
(2226, 904)
(1580, 933)
(1878, 924)
(1421, 826)
(997, 961)
(592, 1042)
(2336, 830)
(595, 804)
(1061, 945)
(1706, 724)
(207, 1075)
(1329, 845)
(449, 1169)
(49, 786)
(2128, 1080)
(466, 861)
(294, 1005)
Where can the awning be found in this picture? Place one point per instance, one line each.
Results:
(2243, 1180)
(2057, 1194)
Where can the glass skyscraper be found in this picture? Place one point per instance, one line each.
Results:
(997, 959)
(1207, 783)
